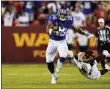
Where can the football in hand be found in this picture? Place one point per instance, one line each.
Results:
(56, 28)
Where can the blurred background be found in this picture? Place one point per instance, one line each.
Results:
(24, 38)
(34, 13)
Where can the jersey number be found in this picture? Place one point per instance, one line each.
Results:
(62, 32)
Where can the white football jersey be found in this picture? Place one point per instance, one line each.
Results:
(78, 18)
(82, 39)
(8, 19)
(92, 73)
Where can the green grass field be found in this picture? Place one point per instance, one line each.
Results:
(35, 76)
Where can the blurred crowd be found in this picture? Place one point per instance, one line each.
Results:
(33, 13)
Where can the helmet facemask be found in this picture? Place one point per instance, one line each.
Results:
(62, 17)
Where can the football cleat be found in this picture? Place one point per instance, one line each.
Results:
(107, 67)
(54, 79)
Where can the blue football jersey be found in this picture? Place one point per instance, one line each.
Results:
(62, 25)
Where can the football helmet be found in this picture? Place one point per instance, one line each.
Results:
(63, 13)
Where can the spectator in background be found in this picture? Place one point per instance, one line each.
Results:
(82, 41)
(87, 7)
(50, 12)
(22, 20)
(34, 9)
(28, 7)
(53, 6)
(79, 18)
(41, 17)
(3, 8)
(39, 4)
(105, 5)
(99, 12)
(18, 6)
(108, 18)
(8, 16)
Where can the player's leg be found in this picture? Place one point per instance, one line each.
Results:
(107, 50)
(76, 63)
(103, 71)
(50, 55)
(62, 49)
(101, 58)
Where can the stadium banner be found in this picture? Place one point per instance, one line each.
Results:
(25, 44)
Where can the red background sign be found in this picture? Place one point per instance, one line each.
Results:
(24, 44)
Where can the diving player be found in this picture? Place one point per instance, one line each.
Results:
(57, 28)
(87, 65)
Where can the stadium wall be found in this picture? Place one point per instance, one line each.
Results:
(26, 44)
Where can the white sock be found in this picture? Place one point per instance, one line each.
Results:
(59, 64)
(53, 75)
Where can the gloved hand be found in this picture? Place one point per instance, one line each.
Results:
(89, 35)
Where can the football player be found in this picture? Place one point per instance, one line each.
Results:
(87, 65)
(57, 27)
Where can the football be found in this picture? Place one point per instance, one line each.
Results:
(56, 28)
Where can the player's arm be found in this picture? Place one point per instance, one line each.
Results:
(96, 37)
(79, 30)
(51, 29)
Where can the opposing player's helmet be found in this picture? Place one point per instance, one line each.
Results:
(63, 13)
(90, 55)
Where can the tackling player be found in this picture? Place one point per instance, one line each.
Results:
(57, 27)
(87, 65)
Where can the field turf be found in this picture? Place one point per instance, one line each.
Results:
(36, 76)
